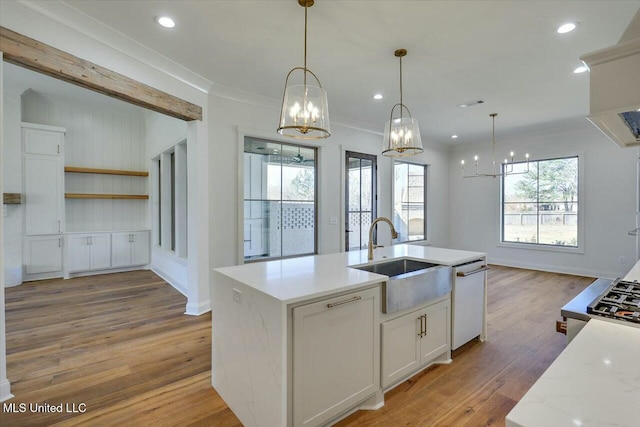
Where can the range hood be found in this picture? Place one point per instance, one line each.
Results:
(615, 87)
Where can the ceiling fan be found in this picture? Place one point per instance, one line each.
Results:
(299, 158)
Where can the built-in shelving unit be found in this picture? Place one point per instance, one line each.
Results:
(105, 196)
(76, 169)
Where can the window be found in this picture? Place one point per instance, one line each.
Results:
(170, 200)
(409, 201)
(280, 200)
(540, 207)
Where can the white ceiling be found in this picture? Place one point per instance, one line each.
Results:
(504, 52)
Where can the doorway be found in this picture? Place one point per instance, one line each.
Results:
(361, 198)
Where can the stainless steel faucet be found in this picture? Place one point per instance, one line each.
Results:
(394, 234)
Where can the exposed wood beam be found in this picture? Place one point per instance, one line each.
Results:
(29, 53)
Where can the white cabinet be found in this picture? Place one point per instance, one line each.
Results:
(43, 256)
(414, 340)
(43, 179)
(130, 248)
(336, 355)
(88, 252)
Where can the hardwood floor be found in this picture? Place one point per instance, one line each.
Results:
(121, 345)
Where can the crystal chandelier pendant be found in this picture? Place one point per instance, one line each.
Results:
(401, 133)
(305, 109)
(403, 137)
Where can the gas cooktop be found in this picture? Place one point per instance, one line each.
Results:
(621, 301)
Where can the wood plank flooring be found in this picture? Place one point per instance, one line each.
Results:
(120, 344)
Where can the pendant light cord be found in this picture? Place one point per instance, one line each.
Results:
(305, 45)
(401, 103)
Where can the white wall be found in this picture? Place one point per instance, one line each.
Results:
(12, 174)
(97, 137)
(162, 133)
(232, 119)
(608, 205)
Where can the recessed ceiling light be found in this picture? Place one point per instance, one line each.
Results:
(581, 69)
(378, 96)
(454, 136)
(165, 21)
(566, 28)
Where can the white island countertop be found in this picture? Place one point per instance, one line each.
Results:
(298, 279)
(594, 382)
(633, 274)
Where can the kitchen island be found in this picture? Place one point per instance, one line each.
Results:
(298, 341)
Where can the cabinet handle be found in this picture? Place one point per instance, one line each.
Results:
(469, 273)
(59, 242)
(91, 240)
(346, 301)
(423, 325)
(59, 226)
(58, 148)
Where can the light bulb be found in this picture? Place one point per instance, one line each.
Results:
(526, 155)
(511, 154)
(462, 162)
(475, 158)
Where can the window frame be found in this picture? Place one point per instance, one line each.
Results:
(242, 137)
(425, 240)
(579, 249)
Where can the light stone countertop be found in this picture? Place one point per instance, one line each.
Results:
(594, 382)
(633, 274)
(299, 279)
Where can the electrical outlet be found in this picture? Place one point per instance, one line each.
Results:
(237, 295)
(623, 259)
(333, 220)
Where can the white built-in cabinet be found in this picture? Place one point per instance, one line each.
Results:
(130, 249)
(49, 251)
(414, 341)
(42, 148)
(336, 358)
(88, 252)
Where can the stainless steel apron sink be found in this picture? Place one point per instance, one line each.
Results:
(411, 282)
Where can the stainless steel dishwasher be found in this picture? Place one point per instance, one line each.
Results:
(468, 302)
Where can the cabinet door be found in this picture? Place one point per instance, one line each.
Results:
(140, 248)
(79, 252)
(43, 254)
(43, 194)
(100, 251)
(436, 339)
(400, 347)
(336, 355)
(41, 141)
(121, 249)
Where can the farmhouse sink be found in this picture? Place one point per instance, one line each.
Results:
(411, 282)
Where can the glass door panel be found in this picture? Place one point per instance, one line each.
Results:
(361, 198)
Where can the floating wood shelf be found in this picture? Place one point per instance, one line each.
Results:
(105, 196)
(11, 198)
(105, 171)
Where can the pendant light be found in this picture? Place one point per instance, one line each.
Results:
(507, 166)
(305, 111)
(401, 134)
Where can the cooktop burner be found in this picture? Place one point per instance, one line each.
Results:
(620, 301)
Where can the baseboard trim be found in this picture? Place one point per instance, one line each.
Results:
(170, 281)
(5, 390)
(198, 309)
(554, 269)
